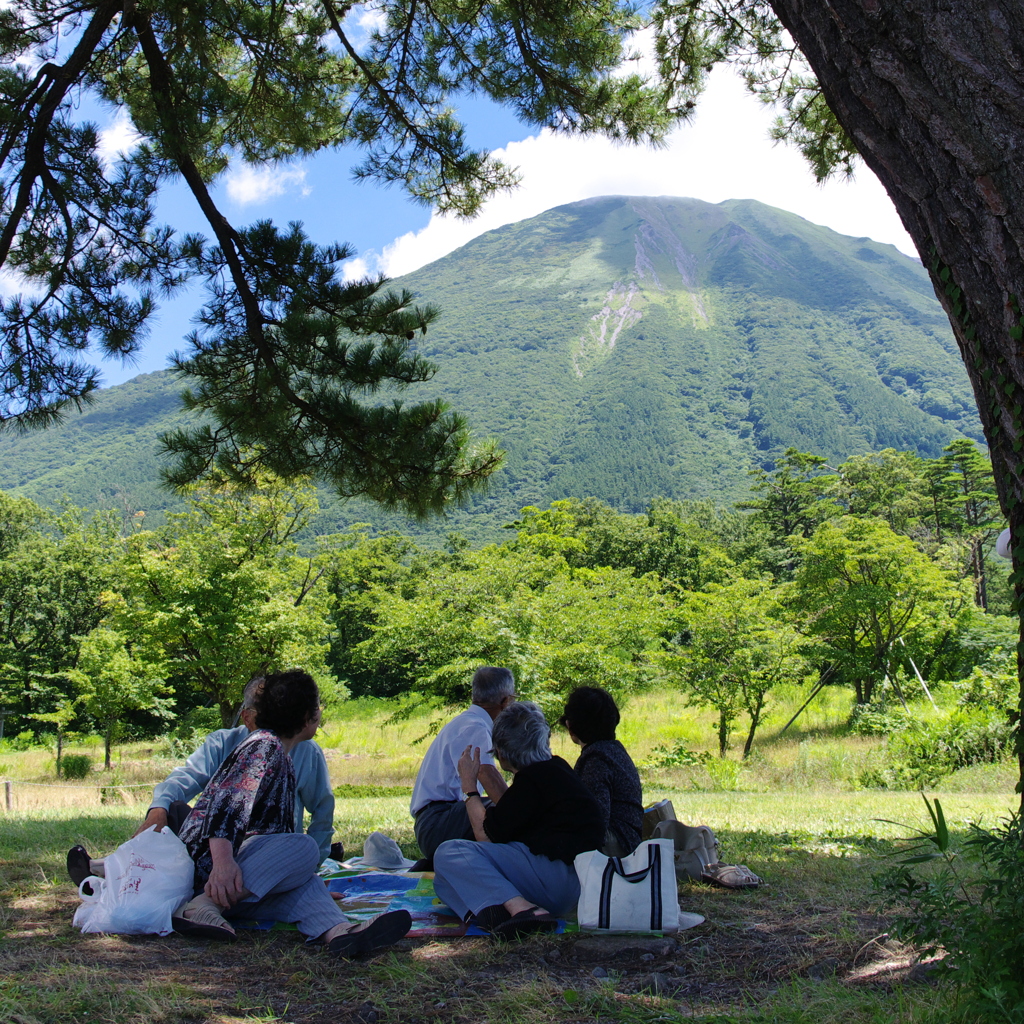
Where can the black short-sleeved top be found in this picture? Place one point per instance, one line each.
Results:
(549, 809)
(607, 770)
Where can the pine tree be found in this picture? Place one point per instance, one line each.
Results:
(288, 362)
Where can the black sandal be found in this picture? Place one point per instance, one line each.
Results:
(382, 931)
(490, 918)
(526, 922)
(78, 864)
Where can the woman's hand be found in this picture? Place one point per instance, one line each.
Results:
(224, 886)
(469, 768)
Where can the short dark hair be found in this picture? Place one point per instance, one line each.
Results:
(286, 702)
(590, 714)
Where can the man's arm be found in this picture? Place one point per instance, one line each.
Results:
(313, 788)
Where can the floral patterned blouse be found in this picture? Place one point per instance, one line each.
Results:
(252, 793)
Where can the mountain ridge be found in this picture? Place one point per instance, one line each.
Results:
(627, 348)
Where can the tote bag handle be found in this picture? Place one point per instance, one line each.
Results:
(651, 875)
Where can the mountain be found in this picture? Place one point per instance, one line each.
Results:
(622, 347)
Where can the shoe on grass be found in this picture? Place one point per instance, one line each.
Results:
(380, 932)
(78, 864)
(201, 918)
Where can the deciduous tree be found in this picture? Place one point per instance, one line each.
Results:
(221, 595)
(737, 648)
(861, 589)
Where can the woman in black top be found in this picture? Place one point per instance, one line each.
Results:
(605, 768)
(517, 876)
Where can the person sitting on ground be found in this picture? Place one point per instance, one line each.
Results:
(170, 798)
(605, 767)
(248, 860)
(518, 877)
(436, 804)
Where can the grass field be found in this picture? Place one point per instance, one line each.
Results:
(808, 947)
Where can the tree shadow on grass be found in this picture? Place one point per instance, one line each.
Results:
(815, 922)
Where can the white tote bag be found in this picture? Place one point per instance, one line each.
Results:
(631, 894)
(147, 879)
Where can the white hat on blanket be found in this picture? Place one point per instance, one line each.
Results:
(381, 852)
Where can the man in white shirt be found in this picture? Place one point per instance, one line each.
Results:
(437, 799)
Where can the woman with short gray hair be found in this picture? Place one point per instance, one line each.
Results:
(518, 876)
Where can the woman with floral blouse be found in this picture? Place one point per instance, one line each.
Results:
(248, 860)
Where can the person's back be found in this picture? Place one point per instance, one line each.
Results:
(605, 767)
(437, 798)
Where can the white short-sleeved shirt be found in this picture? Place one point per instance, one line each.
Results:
(438, 777)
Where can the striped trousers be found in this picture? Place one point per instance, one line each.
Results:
(280, 872)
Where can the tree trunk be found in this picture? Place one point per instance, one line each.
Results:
(107, 740)
(980, 586)
(60, 749)
(932, 94)
(750, 738)
(723, 734)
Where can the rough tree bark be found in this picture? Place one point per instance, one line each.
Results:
(932, 93)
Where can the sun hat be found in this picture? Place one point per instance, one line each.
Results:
(380, 852)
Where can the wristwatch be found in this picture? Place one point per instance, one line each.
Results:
(468, 793)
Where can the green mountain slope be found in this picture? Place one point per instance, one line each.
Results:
(626, 348)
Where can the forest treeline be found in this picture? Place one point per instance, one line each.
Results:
(876, 574)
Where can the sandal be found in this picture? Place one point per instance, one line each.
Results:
(526, 922)
(490, 918)
(382, 931)
(78, 864)
(731, 876)
(205, 922)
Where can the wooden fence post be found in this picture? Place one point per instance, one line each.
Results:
(7, 793)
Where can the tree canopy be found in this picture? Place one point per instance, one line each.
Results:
(288, 361)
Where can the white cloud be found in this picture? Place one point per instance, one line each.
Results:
(247, 184)
(360, 23)
(118, 139)
(355, 269)
(724, 153)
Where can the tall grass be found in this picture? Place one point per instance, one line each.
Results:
(366, 746)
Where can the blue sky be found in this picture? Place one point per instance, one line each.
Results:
(724, 153)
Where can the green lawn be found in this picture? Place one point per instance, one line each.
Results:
(808, 947)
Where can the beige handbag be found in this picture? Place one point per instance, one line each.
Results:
(696, 847)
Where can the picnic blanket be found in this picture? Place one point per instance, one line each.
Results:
(366, 894)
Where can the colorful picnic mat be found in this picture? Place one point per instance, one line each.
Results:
(366, 894)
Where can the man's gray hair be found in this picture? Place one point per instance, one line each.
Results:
(521, 735)
(250, 691)
(491, 685)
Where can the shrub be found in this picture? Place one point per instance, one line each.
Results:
(23, 741)
(929, 751)
(75, 766)
(878, 719)
(967, 903)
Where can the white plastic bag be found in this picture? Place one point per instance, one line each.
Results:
(631, 894)
(147, 879)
